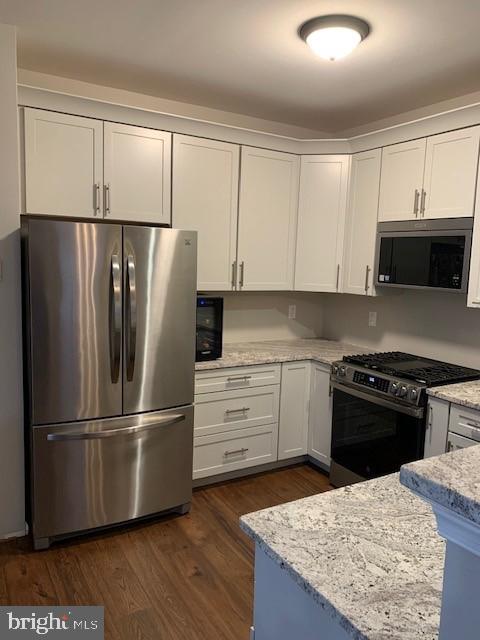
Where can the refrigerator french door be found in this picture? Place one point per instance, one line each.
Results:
(110, 330)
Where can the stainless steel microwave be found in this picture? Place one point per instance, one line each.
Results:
(424, 254)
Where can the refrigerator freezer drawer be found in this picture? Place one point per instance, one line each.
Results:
(98, 473)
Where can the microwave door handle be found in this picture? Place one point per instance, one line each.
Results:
(115, 317)
(415, 412)
(131, 313)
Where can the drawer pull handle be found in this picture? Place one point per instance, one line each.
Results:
(241, 451)
(238, 378)
(241, 410)
(475, 425)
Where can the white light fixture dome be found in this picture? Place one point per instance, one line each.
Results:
(335, 36)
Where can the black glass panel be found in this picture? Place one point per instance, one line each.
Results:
(425, 261)
(209, 328)
(371, 440)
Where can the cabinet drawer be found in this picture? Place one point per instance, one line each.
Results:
(230, 410)
(465, 422)
(220, 453)
(236, 378)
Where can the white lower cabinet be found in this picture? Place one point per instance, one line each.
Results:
(239, 449)
(249, 416)
(320, 418)
(294, 406)
(436, 427)
(236, 419)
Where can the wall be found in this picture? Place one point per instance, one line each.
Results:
(12, 519)
(264, 316)
(432, 324)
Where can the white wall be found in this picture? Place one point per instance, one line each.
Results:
(432, 324)
(264, 316)
(12, 518)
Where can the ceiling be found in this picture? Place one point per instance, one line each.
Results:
(244, 56)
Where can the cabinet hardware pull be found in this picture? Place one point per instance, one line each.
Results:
(474, 424)
(422, 202)
(430, 423)
(237, 378)
(367, 273)
(236, 452)
(242, 273)
(96, 195)
(107, 199)
(240, 410)
(234, 274)
(415, 202)
(338, 275)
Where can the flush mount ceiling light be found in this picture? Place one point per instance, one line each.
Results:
(335, 36)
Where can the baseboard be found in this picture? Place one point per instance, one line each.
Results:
(251, 471)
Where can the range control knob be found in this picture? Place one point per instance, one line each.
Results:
(335, 369)
(342, 371)
(402, 392)
(394, 388)
(413, 393)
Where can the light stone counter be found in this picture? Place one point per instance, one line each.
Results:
(265, 352)
(367, 554)
(451, 480)
(466, 394)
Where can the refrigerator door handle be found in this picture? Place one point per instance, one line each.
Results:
(115, 318)
(131, 312)
(111, 433)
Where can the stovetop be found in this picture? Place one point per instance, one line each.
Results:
(411, 367)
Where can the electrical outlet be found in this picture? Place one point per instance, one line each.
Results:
(292, 311)
(372, 319)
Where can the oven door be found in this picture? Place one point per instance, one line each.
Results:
(372, 436)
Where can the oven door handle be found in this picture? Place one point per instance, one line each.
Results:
(416, 412)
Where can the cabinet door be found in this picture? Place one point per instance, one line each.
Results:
(63, 164)
(320, 419)
(450, 174)
(137, 173)
(436, 431)
(401, 181)
(321, 222)
(267, 219)
(361, 225)
(294, 404)
(205, 199)
(473, 297)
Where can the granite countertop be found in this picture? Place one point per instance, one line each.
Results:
(369, 554)
(464, 393)
(249, 353)
(451, 480)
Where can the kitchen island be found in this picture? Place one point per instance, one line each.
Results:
(362, 562)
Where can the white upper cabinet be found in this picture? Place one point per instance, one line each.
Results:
(450, 174)
(63, 164)
(137, 173)
(321, 222)
(401, 181)
(361, 223)
(267, 219)
(205, 199)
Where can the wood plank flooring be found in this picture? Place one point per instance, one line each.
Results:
(176, 578)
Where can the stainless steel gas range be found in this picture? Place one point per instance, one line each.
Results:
(379, 408)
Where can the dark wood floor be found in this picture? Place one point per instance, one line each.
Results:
(178, 578)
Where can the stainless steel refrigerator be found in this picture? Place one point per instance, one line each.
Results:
(110, 343)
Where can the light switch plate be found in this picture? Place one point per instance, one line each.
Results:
(292, 311)
(372, 318)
